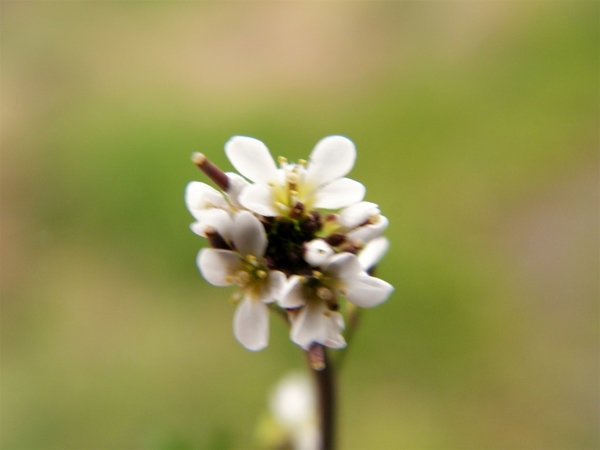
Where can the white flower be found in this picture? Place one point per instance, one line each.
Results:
(293, 405)
(318, 184)
(245, 266)
(317, 296)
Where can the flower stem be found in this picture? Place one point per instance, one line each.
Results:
(323, 372)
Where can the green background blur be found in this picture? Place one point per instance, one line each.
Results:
(476, 125)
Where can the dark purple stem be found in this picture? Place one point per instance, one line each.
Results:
(323, 373)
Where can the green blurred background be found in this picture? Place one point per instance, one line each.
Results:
(476, 124)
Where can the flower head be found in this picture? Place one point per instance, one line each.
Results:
(270, 237)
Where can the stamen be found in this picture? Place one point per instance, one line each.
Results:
(282, 206)
(282, 160)
(302, 162)
(261, 274)
(316, 274)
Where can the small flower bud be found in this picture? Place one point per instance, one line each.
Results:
(336, 239)
(317, 252)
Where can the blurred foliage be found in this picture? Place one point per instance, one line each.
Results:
(476, 125)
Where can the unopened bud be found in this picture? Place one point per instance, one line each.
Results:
(336, 239)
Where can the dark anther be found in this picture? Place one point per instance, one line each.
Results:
(336, 239)
(297, 211)
(216, 240)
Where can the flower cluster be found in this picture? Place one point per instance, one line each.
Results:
(269, 235)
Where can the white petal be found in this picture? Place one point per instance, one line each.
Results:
(332, 158)
(249, 235)
(258, 198)
(316, 324)
(251, 324)
(200, 197)
(217, 265)
(373, 252)
(251, 158)
(366, 291)
(292, 295)
(336, 325)
(236, 186)
(358, 214)
(342, 266)
(371, 231)
(218, 219)
(273, 286)
(310, 326)
(340, 193)
(317, 252)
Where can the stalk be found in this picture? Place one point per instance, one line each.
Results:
(323, 373)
